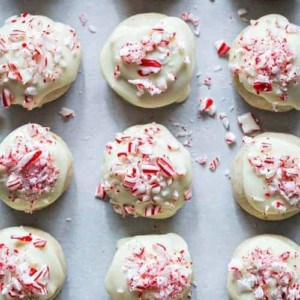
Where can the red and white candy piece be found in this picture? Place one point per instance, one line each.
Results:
(129, 209)
(100, 192)
(7, 98)
(166, 166)
(208, 81)
(222, 47)
(29, 159)
(214, 164)
(67, 112)
(207, 106)
(148, 67)
(22, 238)
(188, 195)
(248, 123)
(230, 138)
(152, 210)
(202, 159)
(261, 86)
(279, 206)
(13, 182)
(189, 17)
(39, 243)
(117, 72)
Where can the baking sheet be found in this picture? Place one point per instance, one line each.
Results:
(212, 224)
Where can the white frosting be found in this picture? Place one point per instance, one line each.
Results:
(152, 267)
(32, 264)
(36, 167)
(271, 174)
(149, 60)
(39, 59)
(264, 57)
(265, 267)
(147, 172)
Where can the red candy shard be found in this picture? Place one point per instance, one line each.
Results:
(100, 192)
(262, 87)
(222, 47)
(24, 238)
(7, 98)
(39, 243)
(149, 66)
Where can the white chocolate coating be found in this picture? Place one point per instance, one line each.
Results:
(265, 64)
(265, 267)
(34, 258)
(150, 267)
(39, 59)
(149, 60)
(147, 172)
(36, 167)
(266, 176)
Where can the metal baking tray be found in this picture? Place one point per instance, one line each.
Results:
(212, 224)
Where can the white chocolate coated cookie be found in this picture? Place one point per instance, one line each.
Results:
(39, 59)
(32, 264)
(150, 267)
(146, 172)
(266, 176)
(265, 267)
(265, 64)
(149, 60)
(36, 167)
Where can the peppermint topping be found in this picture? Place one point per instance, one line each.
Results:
(222, 47)
(230, 138)
(148, 176)
(281, 174)
(266, 275)
(67, 112)
(158, 274)
(249, 123)
(207, 105)
(214, 164)
(268, 63)
(33, 57)
(149, 56)
(27, 165)
(18, 279)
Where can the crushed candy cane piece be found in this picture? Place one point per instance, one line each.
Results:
(202, 159)
(208, 81)
(214, 164)
(152, 210)
(100, 192)
(249, 123)
(207, 106)
(189, 17)
(67, 112)
(222, 47)
(188, 195)
(230, 138)
(117, 72)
